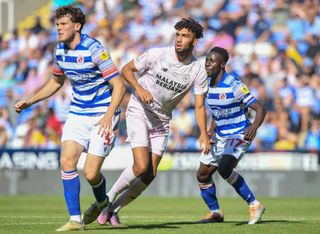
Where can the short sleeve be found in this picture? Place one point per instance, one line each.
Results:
(102, 58)
(146, 59)
(56, 69)
(242, 93)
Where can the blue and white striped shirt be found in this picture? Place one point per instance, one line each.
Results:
(89, 67)
(228, 102)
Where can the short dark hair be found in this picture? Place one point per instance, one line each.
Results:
(221, 51)
(191, 25)
(74, 13)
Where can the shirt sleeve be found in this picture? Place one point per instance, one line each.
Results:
(56, 69)
(200, 83)
(146, 59)
(102, 58)
(242, 93)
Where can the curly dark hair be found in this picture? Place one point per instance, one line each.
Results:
(191, 25)
(74, 13)
(222, 52)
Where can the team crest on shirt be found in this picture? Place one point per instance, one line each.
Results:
(186, 77)
(104, 55)
(222, 96)
(80, 59)
(244, 89)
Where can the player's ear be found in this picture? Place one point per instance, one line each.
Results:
(77, 27)
(195, 41)
(223, 65)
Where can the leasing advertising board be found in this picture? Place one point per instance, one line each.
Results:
(121, 157)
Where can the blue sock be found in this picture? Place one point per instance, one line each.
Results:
(71, 186)
(99, 190)
(241, 187)
(208, 194)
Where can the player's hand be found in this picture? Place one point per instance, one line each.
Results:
(145, 95)
(250, 133)
(210, 134)
(205, 143)
(105, 126)
(21, 105)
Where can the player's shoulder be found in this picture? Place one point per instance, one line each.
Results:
(232, 80)
(90, 43)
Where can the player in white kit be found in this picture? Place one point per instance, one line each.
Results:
(166, 76)
(232, 133)
(97, 91)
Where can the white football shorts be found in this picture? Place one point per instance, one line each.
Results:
(144, 132)
(82, 130)
(233, 145)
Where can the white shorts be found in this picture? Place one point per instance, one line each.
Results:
(233, 145)
(82, 130)
(144, 132)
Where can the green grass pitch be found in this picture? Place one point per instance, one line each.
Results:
(43, 214)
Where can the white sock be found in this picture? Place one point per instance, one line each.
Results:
(125, 179)
(130, 194)
(76, 218)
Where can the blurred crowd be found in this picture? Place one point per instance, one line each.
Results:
(274, 48)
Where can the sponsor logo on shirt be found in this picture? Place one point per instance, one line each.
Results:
(104, 55)
(170, 84)
(244, 89)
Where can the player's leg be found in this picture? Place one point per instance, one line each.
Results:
(208, 193)
(97, 181)
(70, 153)
(226, 170)
(99, 148)
(130, 174)
(138, 137)
(130, 194)
(138, 186)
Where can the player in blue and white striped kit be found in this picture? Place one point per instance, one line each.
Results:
(231, 133)
(97, 91)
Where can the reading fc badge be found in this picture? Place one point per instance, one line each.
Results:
(186, 77)
(222, 96)
(80, 59)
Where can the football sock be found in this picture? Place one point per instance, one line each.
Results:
(239, 184)
(99, 190)
(71, 187)
(125, 179)
(208, 194)
(130, 194)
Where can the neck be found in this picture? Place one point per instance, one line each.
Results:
(184, 56)
(215, 78)
(74, 41)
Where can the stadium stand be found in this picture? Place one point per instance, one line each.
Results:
(274, 48)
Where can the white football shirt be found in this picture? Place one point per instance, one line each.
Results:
(168, 80)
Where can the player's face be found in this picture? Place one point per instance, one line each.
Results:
(185, 40)
(66, 29)
(213, 64)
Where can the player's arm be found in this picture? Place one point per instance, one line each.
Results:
(49, 88)
(251, 131)
(201, 118)
(128, 74)
(118, 91)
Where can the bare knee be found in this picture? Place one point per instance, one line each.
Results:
(68, 163)
(91, 176)
(203, 177)
(139, 169)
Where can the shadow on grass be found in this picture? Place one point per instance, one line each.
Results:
(175, 225)
(262, 222)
